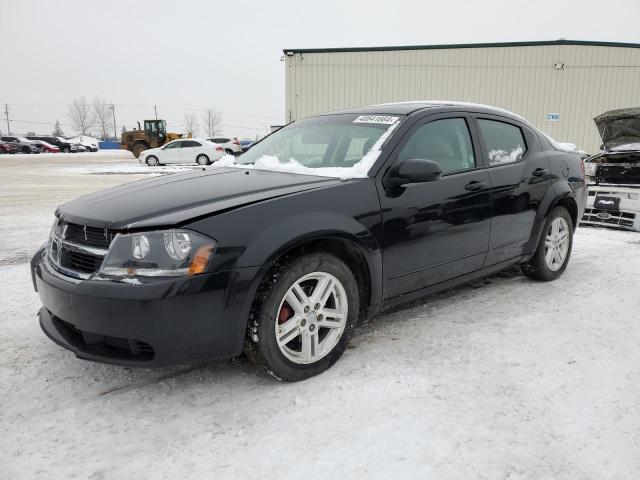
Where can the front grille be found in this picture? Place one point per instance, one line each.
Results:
(96, 237)
(79, 250)
(609, 217)
(81, 261)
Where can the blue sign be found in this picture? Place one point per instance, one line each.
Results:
(553, 117)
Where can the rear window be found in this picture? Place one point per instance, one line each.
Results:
(505, 142)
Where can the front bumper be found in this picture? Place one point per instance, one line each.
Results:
(623, 213)
(148, 324)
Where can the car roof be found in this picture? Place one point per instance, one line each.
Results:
(409, 107)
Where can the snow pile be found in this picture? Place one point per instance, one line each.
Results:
(272, 163)
(502, 156)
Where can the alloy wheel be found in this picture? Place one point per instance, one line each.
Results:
(311, 318)
(557, 244)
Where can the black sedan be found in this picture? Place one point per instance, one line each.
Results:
(281, 252)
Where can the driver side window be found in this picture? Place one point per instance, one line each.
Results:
(174, 145)
(445, 141)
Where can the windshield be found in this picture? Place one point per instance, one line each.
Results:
(342, 146)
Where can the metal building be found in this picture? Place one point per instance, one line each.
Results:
(558, 85)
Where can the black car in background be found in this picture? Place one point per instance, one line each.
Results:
(64, 145)
(321, 224)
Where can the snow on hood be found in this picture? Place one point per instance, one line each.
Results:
(272, 163)
(619, 127)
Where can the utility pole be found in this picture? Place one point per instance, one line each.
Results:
(155, 110)
(115, 130)
(6, 114)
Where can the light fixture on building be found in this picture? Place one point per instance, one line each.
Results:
(559, 66)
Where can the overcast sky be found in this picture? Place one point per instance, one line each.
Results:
(190, 55)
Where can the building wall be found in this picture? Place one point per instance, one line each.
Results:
(519, 78)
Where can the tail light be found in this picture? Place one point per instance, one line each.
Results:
(236, 141)
(582, 169)
(219, 149)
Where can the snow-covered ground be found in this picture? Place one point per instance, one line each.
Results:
(506, 378)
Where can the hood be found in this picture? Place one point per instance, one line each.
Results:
(174, 199)
(619, 127)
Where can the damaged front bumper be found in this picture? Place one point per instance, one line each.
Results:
(613, 206)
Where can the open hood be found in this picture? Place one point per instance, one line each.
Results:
(619, 127)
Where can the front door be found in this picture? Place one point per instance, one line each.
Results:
(172, 152)
(437, 230)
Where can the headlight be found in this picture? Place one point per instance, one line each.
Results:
(169, 253)
(590, 169)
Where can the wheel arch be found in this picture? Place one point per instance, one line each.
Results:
(364, 263)
(566, 199)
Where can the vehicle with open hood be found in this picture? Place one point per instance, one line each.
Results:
(280, 252)
(614, 173)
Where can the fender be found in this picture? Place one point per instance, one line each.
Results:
(294, 231)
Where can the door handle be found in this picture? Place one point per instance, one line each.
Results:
(540, 172)
(474, 185)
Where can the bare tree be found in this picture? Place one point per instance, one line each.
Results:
(191, 123)
(212, 120)
(80, 115)
(103, 115)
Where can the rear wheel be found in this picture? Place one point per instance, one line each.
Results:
(138, 148)
(66, 149)
(554, 249)
(303, 317)
(152, 161)
(203, 160)
(26, 150)
(228, 151)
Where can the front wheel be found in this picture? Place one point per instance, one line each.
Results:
(152, 161)
(138, 148)
(303, 317)
(554, 249)
(203, 160)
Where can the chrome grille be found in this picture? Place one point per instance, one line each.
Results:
(78, 250)
(609, 217)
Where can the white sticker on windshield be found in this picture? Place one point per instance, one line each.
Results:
(382, 119)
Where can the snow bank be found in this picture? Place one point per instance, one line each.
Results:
(272, 163)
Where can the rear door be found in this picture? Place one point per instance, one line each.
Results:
(190, 150)
(437, 230)
(520, 175)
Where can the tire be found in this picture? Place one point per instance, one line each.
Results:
(203, 160)
(314, 341)
(152, 161)
(138, 148)
(557, 235)
(26, 150)
(228, 151)
(66, 150)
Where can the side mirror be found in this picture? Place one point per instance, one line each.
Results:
(415, 170)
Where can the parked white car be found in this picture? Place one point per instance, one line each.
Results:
(231, 145)
(89, 143)
(191, 150)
